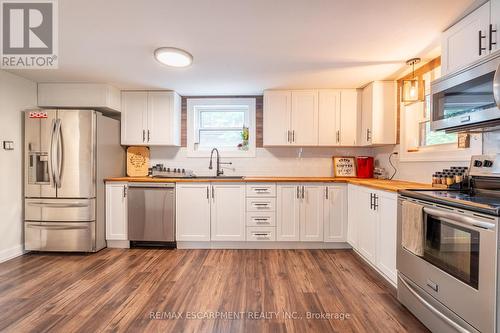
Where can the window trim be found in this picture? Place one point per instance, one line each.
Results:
(193, 119)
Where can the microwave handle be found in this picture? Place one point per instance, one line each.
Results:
(451, 217)
(496, 86)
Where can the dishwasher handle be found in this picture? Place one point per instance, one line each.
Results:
(149, 185)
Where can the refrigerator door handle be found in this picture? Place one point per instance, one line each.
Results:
(58, 154)
(52, 175)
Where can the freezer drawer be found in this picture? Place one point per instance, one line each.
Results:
(59, 236)
(71, 210)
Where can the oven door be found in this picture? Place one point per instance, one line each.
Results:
(458, 263)
(468, 97)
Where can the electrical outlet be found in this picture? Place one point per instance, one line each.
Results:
(8, 145)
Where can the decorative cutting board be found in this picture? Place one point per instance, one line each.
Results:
(344, 166)
(137, 161)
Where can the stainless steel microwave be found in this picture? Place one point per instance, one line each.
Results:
(467, 98)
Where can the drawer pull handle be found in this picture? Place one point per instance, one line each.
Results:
(261, 219)
(261, 189)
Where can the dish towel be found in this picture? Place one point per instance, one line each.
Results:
(412, 232)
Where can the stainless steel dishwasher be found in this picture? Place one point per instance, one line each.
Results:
(151, 214)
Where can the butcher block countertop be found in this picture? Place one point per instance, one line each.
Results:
(380, 184)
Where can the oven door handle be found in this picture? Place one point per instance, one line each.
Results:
(451, 218)
(433, 309)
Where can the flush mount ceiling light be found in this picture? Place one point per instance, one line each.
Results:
(411, 91)
(173, 57)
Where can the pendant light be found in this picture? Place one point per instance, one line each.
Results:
(411, 92)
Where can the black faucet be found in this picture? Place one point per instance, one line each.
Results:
(210, 166)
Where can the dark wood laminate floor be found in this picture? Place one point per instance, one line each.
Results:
(117, 290)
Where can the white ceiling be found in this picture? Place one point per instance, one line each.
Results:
(244, 46)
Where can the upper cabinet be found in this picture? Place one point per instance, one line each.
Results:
(151, 118)
(471, 38)
(378, 117)
(96, 96)
(325, 117)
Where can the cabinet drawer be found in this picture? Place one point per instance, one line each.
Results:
(261, 234)
(256, 219)
(261, 204)
(261, 190)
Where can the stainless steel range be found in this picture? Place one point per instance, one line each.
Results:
(447, 256)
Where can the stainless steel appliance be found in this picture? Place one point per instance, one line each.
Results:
(68, 153)
(451, 284)
(151, 213)
(467, 98)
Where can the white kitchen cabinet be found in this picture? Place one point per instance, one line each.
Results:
(151, 118)
(277, 110)
(353, 215)
(350, 117)
(193, 212)
(386, 233)
(466, 41)
(288, 212)
(329, 117)
(311, 212)
(372, 224)
(116, 211)
(495, 25)
(335, 213)
(304, 118)
(378, 118)
(367, 224)
(228, 212)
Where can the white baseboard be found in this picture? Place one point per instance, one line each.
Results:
(118, 244)
(11, 253)
(262, 245)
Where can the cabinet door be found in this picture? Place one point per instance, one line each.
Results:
(193, 212)
(366, 115)
(277, 109)
(134, 117)
(228, 212)
(116, 211)
(462, 44)
(383, 113)
(304, 118)
(495, 25)
(349, 117)
(367, 225)
(163, 119)
(353, 215)
(335, 213)
(288, 212)
(311, 213)
(329, 117)
(386, 233)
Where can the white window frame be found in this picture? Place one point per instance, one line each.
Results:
(195, 105)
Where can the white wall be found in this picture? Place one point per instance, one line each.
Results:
(16, 94)
(313, 162)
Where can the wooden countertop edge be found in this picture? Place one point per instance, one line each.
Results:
(380, 184)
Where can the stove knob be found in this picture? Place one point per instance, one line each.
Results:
(487, 163)
(175, 170)
(478, 163)
(168, 169)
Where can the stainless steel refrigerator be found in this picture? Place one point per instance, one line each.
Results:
(68, 153)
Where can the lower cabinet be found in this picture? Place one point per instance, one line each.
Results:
(206, 211)
(116, 211)
(335, 213)
(372, 227)
(193, 212)
(228, 220)
(313, 212)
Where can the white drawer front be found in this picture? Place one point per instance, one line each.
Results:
(256, 219)
(261, 234)
(261, 204)
(261, 190)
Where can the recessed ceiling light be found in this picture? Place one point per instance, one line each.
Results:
(174, 57)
